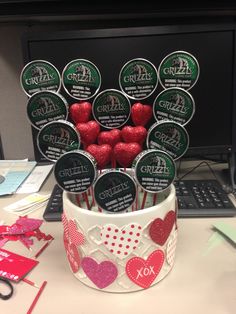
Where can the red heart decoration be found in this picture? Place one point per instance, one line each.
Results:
(143, 272)
(102, 154)
(88, 132)
(80, 112)
(109, 137)
(141, 114)
(160, 229)
(124, 153)
(73, 257)
(131, 134)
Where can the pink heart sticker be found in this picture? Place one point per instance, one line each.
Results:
(102, 275)
(143, 272)
(160, 229)
(121, 242)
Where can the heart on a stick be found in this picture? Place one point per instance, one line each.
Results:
(124, 153)
(109, 137)
(143, 272)
(80, 112)
(131, 134)
(160, 229)
(102, 154)
(141, 114)
(88, 132)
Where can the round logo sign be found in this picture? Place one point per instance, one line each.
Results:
(170, 137)
(75, 171)
(115, 191)
(138, 78)
(44, 107)
(174, 104)
(57, 138)
(40, 75)
(179, 69)
(111, 108)
(154, 170)
(81, 79)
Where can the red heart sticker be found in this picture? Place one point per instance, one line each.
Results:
(124, 153)
(141, 114)
(102, 154)
(88, 132)
(160, 229)
(143, 272)
(76, 237)
(134, 134)
(80, 112)
(109, 137)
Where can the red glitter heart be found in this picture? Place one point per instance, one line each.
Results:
(160, 229)
(143, 272)
(102, 154)
(134, 134)
(141, 114)
(88, 132)
(80, 112)
(124, 153)
(109, 137)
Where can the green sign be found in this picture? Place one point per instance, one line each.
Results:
(81, 79)
(179, 69)
(138, 78)
(174, 104)
(40, 75)
(57, 138)
(75, 171)
(115, 191)
(170, 137)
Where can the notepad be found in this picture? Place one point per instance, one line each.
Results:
(14, 172)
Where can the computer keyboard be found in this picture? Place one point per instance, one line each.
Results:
(203, 198)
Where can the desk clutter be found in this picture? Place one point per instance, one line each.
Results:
(115, 161)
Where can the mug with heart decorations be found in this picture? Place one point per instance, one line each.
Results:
(122, 251)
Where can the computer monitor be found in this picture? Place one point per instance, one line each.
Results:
(211, 128)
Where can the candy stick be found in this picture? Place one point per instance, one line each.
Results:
(154, 200)
(37, 297)
(93, 199)
(144, 199)
(78, 199)
(30, 282)
(85, 197)
(43, 248)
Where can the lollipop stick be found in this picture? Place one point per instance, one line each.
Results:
(85, 197)
(154, 200)
(144, 199)
(78, 199)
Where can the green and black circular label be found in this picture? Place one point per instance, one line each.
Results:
(40, 75)
(75, 171)
(179, 69)
(138, 78)
(81, 79)
(170, 137)
(115, 191)
(154, 170)
(44, 107)
(111, 108)
(57, 138)
(174, 104)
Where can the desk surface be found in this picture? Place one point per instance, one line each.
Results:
(201, 281)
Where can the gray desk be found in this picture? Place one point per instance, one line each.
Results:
(199, 282)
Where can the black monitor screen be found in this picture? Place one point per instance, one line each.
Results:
(210, 129)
